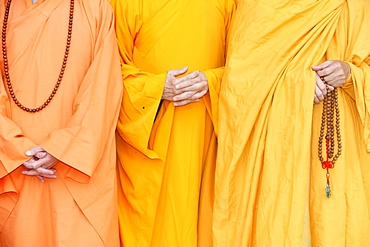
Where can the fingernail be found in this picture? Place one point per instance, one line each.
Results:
(28, 153)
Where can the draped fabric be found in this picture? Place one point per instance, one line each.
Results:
(79, 207)
(167, 154)
(269, 127)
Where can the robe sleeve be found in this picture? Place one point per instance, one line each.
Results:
(214, 76)
(348, 85)
(13, 143)
(358, 48)
(81, 143)
(211, 99)
(360, 73)
(142, 90)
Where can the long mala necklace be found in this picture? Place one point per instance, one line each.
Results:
(61, 73)
(329, 111)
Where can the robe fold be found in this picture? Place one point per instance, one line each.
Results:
(166, 154)
(78, 208)
(268, 170)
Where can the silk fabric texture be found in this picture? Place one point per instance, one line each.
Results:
(79, 207)
(268, 170)
(166, 163)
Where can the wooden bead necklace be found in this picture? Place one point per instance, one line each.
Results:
(330, 108)
(61, 73)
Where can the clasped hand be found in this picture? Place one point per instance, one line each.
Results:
(40, 164)
(186, 89)
(329, 75)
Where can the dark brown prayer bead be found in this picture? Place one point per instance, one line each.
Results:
(5, 58)
(330, 121)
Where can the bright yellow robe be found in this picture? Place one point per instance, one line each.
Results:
(163, 159)
(79, 207)
(269, 127)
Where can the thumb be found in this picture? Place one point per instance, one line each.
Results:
(40, 155)
(321, 66)
(316, 68)
(34, 151)
(177, 72)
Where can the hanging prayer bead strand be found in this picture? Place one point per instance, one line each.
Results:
(330, 109)
(61, 73)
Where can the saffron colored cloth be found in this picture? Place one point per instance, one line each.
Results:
(166, 160)
(268, 170)
(79, 207)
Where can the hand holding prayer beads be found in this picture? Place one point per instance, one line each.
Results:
(321, 90)
(333, 72)
(329, 75)
(186, 89)
(330, 115)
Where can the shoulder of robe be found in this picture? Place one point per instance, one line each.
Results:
(225, 5)
(95, 7)
(129, 4)
(97, 12)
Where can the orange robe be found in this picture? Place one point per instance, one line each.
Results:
(165, 160)
(270, 186)
(78, 208)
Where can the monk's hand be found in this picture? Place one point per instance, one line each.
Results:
(190, 88)
(170, 90)
(333, 72)
(321, 90)
(40, 164)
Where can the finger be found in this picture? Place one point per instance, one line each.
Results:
(34, 151)
(183, 96)
(43, 171)
(185, 102)
(195, 84)
(30, 173)
(38, 175)
(41, 178)
(316, 100)
(322, 78)
(177, 72)
(321, 85)
(49, 163)
(329, 87)
(325, 73)
(189, 96)
(35, 163)
(179, 81)
(336, 80)
(319, 93)
(322, 65)
(40, 155)
(49, 176)
(332, 77)
(200, 94)
(30, 164)
(39, 172)
(334, 69)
